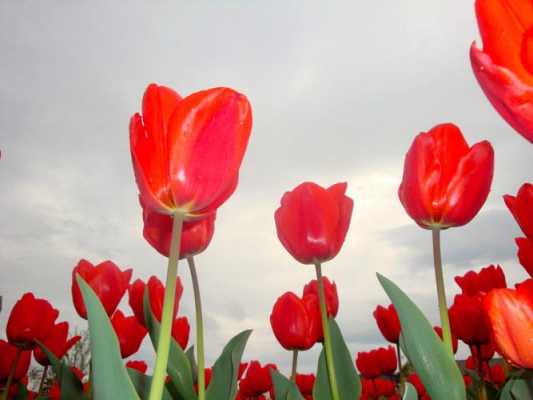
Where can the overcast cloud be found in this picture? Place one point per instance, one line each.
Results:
(338, 93)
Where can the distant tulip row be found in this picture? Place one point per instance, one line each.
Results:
(186, 154)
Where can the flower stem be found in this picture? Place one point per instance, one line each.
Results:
(163, 344)
(43, 378)
(399, 354)
(11, 374)
(441, 292)
(294, 365)
(199, 330)
(327, 339)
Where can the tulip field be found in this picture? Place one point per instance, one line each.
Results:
(187, 151)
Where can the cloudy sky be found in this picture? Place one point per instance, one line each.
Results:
(338, 94)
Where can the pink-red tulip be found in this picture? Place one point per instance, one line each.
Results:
(473, 283)
(57, 342)
(186, 152)
(312, 222)
(388, 323)
(504, 68)
(180, 331)
(129, 332)
(107, 281)
(525, 254)
(156, 293)
(30, 319)
(521, 206)
(511, 317)
(8, 354)
(445, 182)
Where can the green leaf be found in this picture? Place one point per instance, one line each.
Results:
(284, 389)
(348, 380)
(434, 365)
(178, 368)
(110, 378)
(523, 388)
(192, 360)
(223, 385)
(409, 392)
(142, 384)
(71, 387)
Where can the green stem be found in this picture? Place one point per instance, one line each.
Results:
(294, 365)
(399, 354)
(327, 339)
(11, 374)
(199, 330)
(41, 384)
(441, 292)
(163, 344)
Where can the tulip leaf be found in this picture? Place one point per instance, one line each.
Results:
(409, 392)
(71, 387)
(518, 388)
(223, 385)
(433, 363)
(142, 384)
(192, 360)
(348, 381)
(284, 389)
(178, 368)
(110, 378)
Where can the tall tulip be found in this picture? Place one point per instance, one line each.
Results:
(521, 206)
(445, 183)
(186, 155)
(510, 313)
(107, 281)
(504, 68)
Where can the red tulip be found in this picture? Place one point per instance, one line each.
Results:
(57, 342)
(419, 386)
(384, 387)
(330, 291)
(9, 354)
(312, 222)
(195, 235)
(180, 331)
(305, 383)
(504, 68)
(187, 152)
(445, 182)
(129, 332)
(156, 293)
(292, 324)
(257, 380)
(368, 364)
(497, 375)
(468, 320)
(521, 207)
(525, 254)
(473, 283)
(387, 360)
(140, 366)
(511, 317)
(106, 279)
(388, 323)
(455, 342)
(30, 319)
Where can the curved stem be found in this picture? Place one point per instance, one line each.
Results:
(199, 330)
(41, 384)
(327, 339)
(441, 292)
(294, 365)
(163, 343)
(11, 374)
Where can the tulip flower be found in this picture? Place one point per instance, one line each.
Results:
(107, 281)
(305, 383)
(242, 368)
(469, 321)
(30, 319)
(473, 283)
(504, 68)
(386, 358)
(57, 342)
(388, 323)
(180, 331)
(330, 291)
(525, 254)
(384, 387)
(312, 222)
(156, 292)
(195, 235)
(10, 353)
(186, 152)
(419, 386)
(521, 206)
(455, 342)
(510, 313)
(129, 332)
(140, 366)
(368, 364)
(257, 380)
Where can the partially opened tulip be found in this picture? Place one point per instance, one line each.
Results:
(388, 323)
(257, 380)
(504, 68)
(521, 206)
(469, 321)
(525, 254)
(511, 318)
(57, 342)
(107, 281)
(488, 278)
(129, 332)
(180, 331)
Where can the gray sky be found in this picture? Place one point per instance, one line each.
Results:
(338, 94)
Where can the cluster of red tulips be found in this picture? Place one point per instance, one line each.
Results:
(186, 154)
